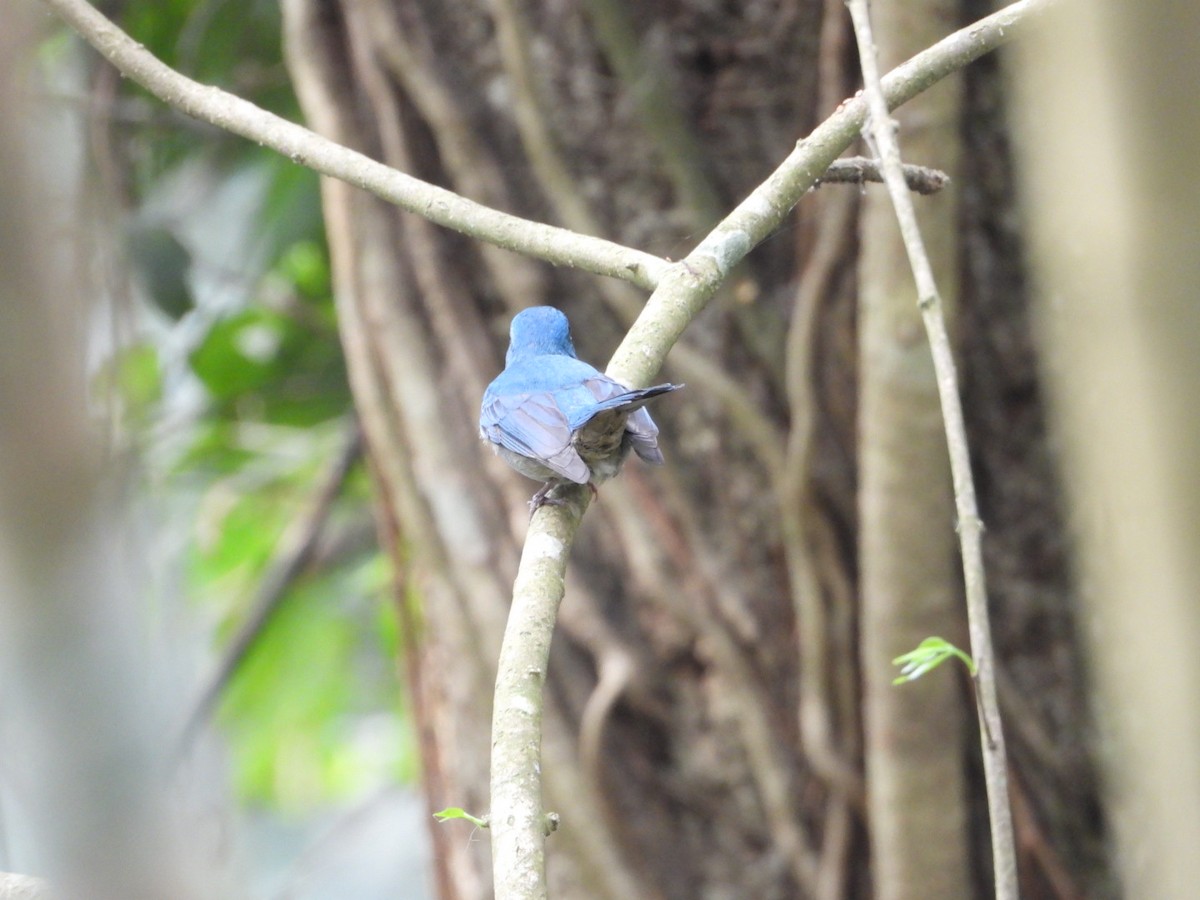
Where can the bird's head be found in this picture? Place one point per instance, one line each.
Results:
(539, 331)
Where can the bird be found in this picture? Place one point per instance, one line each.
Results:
(555, 418)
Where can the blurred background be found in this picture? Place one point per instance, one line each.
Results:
(205, 340)
(255, 563)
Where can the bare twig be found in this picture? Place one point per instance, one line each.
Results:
(859, 170)
(970, 527)
(210, 104)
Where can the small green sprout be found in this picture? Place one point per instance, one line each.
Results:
(930, 653)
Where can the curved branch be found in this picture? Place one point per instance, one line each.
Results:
(231, 113)
(518, 822)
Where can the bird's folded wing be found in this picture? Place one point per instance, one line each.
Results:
(532, 425)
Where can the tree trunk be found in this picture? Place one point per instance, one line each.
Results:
(1119, 328)
(914, 735)
(703, 720)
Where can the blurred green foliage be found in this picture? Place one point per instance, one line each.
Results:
(132, 378)
(266, 365)
(315, 712)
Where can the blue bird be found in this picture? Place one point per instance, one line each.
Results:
(556, 419)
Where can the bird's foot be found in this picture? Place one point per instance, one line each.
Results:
(544, 498)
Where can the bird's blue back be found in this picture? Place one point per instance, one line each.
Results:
(564, 377)
(537, 408)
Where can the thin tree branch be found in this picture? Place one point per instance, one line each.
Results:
(753, 220)
(231, 113)
(296, 547)
(517, 820)
(970, 527)
(859, 170)
(518, 838)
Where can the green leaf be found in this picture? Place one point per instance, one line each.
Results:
(139, 376)
(306, 266)
(312, 711)
(241, 353)
(131, 379)
(163, 263)
(457, 812)
(928, 655)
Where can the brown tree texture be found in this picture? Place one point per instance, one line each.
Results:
(720, 720)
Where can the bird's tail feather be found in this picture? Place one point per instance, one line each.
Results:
(635, 398)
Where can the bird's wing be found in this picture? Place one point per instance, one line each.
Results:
(532, 425)
(611, 394)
